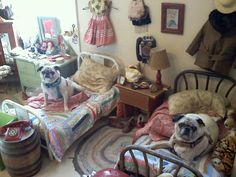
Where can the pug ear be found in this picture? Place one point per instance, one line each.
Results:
(176, 118)
(200, 122)
(57, 68)
(40, 68)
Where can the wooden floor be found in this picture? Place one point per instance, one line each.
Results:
(7, 92)
(54, 168)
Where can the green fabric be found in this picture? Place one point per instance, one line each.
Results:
(6, 118)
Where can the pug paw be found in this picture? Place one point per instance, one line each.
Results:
(66, 109)
(169, 168)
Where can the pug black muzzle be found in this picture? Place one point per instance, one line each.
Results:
(186, 130)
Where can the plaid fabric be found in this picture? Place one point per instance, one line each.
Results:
(100, 31)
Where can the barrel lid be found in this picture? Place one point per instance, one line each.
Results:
(25, 134)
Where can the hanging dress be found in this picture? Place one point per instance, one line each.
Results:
(100, 31)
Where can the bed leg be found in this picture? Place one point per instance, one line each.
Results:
(50, 154)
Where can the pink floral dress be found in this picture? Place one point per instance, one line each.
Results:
(100, 31)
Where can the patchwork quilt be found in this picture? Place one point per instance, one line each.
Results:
(64, 128)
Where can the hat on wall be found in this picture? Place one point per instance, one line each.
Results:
(225, 6)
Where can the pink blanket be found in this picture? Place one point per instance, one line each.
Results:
(159, 126)
(57, 106)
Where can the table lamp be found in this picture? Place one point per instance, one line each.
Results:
(158, 61)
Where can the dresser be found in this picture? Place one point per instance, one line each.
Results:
(6, 27)
(30, 78)
(7, 36)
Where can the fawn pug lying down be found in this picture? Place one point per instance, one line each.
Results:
(56, 86)
(194, 136)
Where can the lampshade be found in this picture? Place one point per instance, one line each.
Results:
(158, 59)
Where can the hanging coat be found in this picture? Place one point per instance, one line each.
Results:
(216, 51)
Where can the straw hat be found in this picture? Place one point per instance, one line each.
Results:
(225, 6)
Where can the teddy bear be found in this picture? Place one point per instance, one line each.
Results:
(225, 150)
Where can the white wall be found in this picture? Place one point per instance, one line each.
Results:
(26, 12)
(196, 13)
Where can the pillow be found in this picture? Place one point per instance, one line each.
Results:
(196, 101)
(94, 76)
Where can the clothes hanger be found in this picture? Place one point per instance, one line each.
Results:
(86, 8)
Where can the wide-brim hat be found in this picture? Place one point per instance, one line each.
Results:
(225, 6)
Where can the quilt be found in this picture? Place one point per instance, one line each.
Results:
(64, 128)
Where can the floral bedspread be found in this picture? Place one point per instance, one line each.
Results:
(64, 128)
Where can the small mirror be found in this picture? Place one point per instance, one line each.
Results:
(6, 48)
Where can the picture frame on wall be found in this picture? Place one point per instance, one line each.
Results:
(172, 18)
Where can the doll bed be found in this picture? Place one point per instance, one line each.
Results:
(141, 161)
(60, 130)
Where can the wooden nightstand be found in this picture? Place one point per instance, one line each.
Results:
(143, 99)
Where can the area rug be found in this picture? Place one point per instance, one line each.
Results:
(100, 149)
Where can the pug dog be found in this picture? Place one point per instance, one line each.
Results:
(55, 86)
(194, 136)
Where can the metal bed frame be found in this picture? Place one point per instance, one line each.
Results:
(185, 80)
(25, 112)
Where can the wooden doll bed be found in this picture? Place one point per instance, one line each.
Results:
(141, 161)
(60, 130)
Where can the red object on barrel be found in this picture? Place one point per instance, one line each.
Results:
(110, 172)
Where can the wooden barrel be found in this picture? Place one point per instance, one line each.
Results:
(22, 158)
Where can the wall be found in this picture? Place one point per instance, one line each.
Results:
(26, 12)
(196, 13)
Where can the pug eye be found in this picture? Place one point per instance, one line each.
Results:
(43, 72)
(181, 125)
(194, 128)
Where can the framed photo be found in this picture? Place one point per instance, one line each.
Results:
(172, 18)
(49, 28)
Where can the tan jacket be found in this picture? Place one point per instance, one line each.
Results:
(215, 52)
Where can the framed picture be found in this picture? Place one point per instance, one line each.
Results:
(49, 28)
(172, 18)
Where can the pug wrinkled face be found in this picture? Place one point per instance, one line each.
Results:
(189, 127)
(49, 74)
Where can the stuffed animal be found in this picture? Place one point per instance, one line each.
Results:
(230, 122)
(225, 150)
(165, 175)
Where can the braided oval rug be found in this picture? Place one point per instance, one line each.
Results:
(100, 149)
